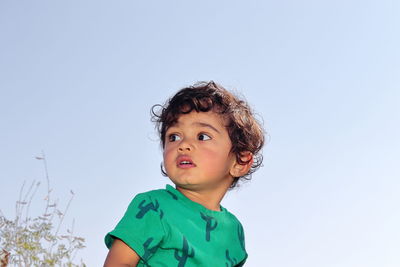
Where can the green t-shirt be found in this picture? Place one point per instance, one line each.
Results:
(165, 228)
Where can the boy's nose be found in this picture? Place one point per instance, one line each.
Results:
(184, 146)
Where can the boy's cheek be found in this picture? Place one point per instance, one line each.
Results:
(213, 153)
(166, 149)
(168, 157)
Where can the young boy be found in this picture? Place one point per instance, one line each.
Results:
(210, 141)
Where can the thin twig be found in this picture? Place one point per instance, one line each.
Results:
(28, 205)
(63, 214)
(43, 158)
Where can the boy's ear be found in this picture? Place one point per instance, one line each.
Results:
(238, 169)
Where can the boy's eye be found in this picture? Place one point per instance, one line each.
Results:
(173, 137)
(204, 137)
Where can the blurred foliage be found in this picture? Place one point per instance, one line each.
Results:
(37, 241)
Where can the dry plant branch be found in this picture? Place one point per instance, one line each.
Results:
(37, 241)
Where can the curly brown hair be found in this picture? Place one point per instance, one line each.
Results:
(245, 132)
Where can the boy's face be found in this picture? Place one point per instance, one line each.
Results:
(197, 152)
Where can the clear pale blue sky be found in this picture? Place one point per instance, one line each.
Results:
(78, 78)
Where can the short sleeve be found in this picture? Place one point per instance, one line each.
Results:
(141, 227)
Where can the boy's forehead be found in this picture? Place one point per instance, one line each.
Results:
(200, 119)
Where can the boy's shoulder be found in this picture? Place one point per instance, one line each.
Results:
(154, 198)
(154, 194)
(172, 198)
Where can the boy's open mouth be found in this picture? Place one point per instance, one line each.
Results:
(185, 162)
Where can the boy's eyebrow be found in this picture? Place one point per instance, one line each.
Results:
(202, 124)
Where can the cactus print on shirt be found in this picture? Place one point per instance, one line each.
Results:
(165, 228)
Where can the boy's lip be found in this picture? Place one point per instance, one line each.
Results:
(184, 162)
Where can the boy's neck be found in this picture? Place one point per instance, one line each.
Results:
(210, 199)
